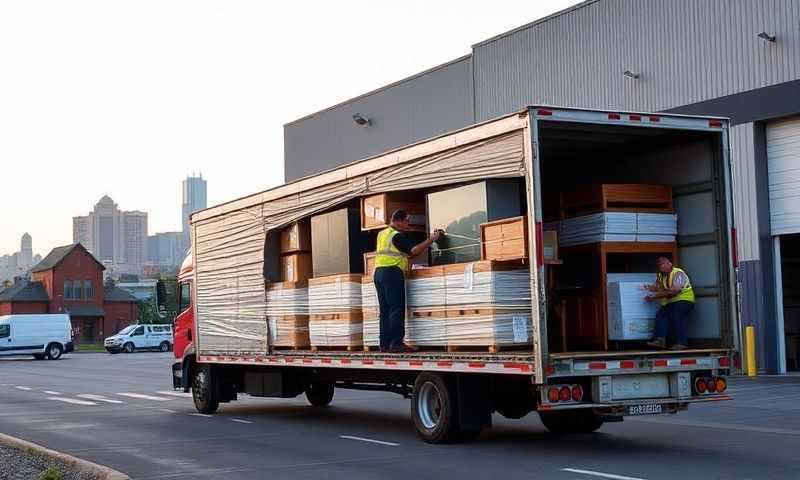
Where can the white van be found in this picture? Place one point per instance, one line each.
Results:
(140, 337)
(40, 335)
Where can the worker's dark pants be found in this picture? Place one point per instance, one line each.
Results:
(673, 317)
(390, 283)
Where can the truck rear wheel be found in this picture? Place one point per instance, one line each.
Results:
(320, 394)
(434, 408)
(204, 390)
(582, 420)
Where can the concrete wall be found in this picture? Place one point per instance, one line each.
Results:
(408, 111)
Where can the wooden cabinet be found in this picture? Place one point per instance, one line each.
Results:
(376, 210)
(505, 239)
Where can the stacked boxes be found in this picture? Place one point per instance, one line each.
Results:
(505, 239)
(287, 314)
(295, 256)
(370, 312)
(335, 315)
(376, 210)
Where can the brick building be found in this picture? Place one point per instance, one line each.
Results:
(70, 280)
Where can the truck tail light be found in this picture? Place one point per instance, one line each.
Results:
(577, 393)
(722, 384)
(552, 394)
(711, 385)
(564, 394)
(724, 362)
(700, 385)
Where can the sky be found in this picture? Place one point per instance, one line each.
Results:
(126, 98)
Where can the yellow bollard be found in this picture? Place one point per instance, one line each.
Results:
(750, 345)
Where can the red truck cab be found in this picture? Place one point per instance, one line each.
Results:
(184, 324)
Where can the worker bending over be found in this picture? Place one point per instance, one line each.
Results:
(674, 290)
(391, 262)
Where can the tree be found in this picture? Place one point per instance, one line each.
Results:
(109, 282)
(148, 313)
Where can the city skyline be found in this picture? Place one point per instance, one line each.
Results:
(216, 104)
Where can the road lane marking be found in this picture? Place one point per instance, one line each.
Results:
(175, 394)
(239, 420)
(600, 474)
(204, 415)
(73, 401)
(23, 388)
(142, 396)
(52, 392)
(167, 410)
(98, 398)
(369, 440)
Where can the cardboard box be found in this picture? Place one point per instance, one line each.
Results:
(505, 239)
(338, 244)
(630, 317)
(376, 210)
(296, 267)
(296, 237)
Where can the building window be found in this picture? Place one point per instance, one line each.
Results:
(67, 289)
(87, 290)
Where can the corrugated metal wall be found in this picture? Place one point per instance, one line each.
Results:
(686, 51)
(742, 145)
(421, 107)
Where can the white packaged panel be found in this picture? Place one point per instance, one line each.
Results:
(630, 316)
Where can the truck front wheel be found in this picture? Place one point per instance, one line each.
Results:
(320, 394)
(434, 408)
(204, 390)
(571, 421)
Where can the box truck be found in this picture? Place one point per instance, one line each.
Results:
(570, 372)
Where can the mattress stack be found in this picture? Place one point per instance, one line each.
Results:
(616, 227)
(287, 314)
(335, 315)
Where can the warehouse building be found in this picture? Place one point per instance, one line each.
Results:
(733, 58)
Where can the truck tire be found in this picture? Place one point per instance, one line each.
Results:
(320, 394)
(434, 408)
(205, 391)
(54, 351)
(571, 421)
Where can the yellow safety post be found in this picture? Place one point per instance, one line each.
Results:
(750, 345)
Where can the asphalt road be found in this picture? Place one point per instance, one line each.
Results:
(119, 410)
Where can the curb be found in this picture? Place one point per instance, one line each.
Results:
(83, 466)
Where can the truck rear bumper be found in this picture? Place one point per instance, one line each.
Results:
(622, 408)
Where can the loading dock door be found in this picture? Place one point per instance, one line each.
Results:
(783, 160)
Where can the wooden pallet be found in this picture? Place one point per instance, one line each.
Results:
(328, 348)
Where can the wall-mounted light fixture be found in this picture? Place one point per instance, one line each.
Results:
(361, 121)
(766, 36)
(630, 74)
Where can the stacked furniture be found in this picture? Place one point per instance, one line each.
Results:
(603, 225)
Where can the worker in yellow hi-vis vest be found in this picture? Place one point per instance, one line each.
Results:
(674, 289)
(391, 262)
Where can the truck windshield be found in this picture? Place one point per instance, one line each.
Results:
(126, 330)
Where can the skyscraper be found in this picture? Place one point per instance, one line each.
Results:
(194, 199)
(117, 238)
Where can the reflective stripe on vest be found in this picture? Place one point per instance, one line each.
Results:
(386, 254)
(686, 294)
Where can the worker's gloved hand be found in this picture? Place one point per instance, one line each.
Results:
(437, 234)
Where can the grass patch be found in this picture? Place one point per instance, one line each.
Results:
(90, 347)
(51, 473)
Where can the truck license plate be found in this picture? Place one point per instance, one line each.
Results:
(646, 409)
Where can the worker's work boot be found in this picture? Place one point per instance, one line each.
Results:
(658, 342)
(678, 346)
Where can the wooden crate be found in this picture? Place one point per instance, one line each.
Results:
(296, 267)
(505, 239)
(628, 197)
(296, 237)
(376, 210)
(289, 331)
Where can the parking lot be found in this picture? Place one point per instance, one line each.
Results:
(120, 411)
